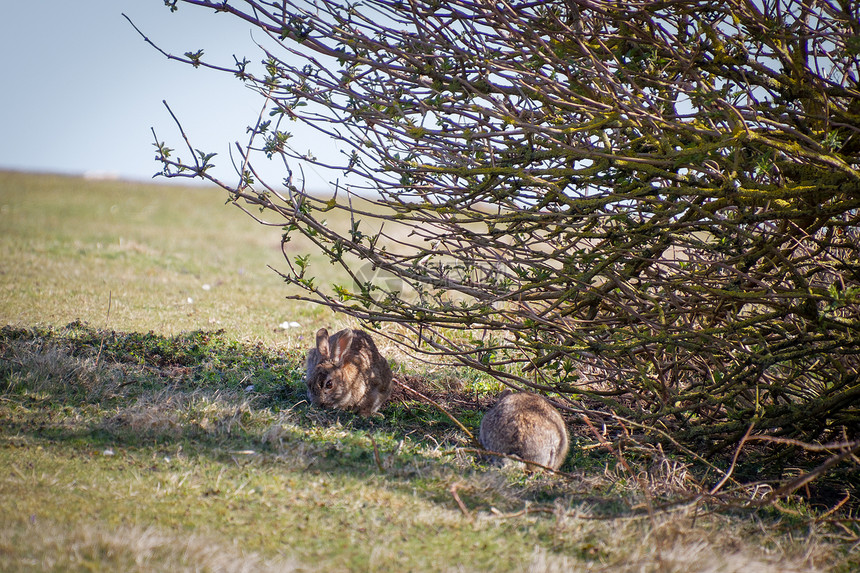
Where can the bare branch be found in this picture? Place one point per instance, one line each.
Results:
(650, 208)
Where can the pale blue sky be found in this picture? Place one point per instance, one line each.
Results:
(81, 89)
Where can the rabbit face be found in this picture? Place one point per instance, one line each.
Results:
(328, 387)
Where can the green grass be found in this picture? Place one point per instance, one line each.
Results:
(166, 435)
(138, 257)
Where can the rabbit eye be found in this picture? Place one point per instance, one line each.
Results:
(327, 384)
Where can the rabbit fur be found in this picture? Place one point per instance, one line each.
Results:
(528, 426)
(346, 371)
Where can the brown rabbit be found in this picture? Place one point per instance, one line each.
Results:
(346, 371)
(528, 426)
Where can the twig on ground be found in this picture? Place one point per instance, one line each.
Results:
(453, 491)
(731, 469)
(804, 445)
(441, 409)
(835, 508)
(524, 511)
(809, 477)
(376, 457)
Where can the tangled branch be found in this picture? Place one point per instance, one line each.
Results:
(649, 206)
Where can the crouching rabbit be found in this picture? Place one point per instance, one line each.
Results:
(346, 371)
(528, 426)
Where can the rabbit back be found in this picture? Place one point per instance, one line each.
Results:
(528, 426)
(346, 371)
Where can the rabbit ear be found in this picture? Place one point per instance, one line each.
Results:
(322, 342)
(343, 343)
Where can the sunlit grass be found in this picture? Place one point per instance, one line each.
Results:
(140, 257)
(141, 431)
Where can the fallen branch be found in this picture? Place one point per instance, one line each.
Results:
(731, 470)
(453, 490)
(376, 456)
(835, 508)
(524, 511)
(441, 409)
(804, 445)
(809, 477)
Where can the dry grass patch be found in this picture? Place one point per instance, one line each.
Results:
(39, 545)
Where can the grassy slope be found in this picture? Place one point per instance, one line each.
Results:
(71, 249)
(181, 450)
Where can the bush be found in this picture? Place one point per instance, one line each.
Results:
(648, 206)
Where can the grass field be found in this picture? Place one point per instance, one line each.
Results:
(152, 418)
(75, 249)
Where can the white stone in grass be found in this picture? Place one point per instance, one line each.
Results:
(207, 286)
(288, 324)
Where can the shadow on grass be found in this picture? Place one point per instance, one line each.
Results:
(207, 396)
(214, 397)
